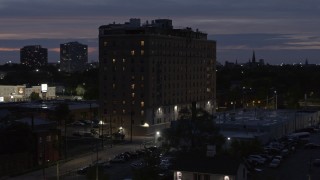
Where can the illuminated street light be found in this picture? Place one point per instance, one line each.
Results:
(156, 137)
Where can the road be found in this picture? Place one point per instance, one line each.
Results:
(67, 169)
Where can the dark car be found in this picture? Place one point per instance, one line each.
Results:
(316, 162)
(311, 146)
(83, 171)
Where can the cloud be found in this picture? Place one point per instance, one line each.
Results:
(9, 49)
(238, 26)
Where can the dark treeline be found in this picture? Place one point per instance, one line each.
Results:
(254, 85)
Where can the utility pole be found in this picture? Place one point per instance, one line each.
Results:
(65, 139)
(102, 136)
(110, 131)
(131, 114)
(97, 167)
(276, 101)
(58, 170)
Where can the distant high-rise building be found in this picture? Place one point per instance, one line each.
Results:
(73, 57)
(150, 72)
(34, 56)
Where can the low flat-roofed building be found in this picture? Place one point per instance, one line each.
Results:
(265, 124)
(18, 93)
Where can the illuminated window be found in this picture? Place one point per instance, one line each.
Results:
(113, 60)
(123, 102)
(113, 86)
(142, 104)
(142, 43)
(226, 178)
(142, 52)
(123, 111)
(105, 43)
(123, 68)
(132, 86)
(132, 52)
(132, 95)
(124, 60)
(142, 112)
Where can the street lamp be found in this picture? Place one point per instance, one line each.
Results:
(157, 135)
(234, 106)
(276, 100)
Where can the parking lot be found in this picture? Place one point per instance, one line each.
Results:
(298, 165)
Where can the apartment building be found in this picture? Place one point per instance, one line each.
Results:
(149, 72)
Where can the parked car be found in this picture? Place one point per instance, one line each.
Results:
(316, 162)
(118, 159)
(278, 157)
(256, 159)
(76, 134)
(77, 123)
(87, 122)
(87, 134)
(311, 146)
(274, 163)
(83, 171)
(105, 136)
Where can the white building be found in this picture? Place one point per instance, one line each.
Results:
(16, 93)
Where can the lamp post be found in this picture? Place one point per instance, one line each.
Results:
(234, 106)
(156, 136)
(276, 100)
(131, 114)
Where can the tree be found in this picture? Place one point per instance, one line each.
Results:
(151, 169)
(80, 90)
(34, 96)
(193, 134)
(241, 149)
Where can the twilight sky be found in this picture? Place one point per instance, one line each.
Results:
(285, 31)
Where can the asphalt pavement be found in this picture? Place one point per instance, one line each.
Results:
(67, 169)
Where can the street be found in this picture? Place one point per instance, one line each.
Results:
(67, 170)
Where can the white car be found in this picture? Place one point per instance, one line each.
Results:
(274, 163)
(278, 157)
(256, 159)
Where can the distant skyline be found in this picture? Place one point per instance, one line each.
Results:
(279, 32)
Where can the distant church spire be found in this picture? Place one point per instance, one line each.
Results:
(253, 57)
